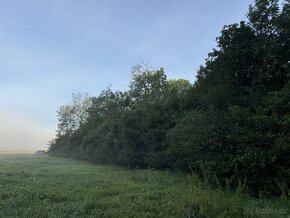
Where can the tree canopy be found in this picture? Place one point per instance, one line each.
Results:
(231, 126)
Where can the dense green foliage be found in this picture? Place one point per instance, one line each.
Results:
(42, 186)
(231, 126)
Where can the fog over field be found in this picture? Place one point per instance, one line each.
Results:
(18, 132)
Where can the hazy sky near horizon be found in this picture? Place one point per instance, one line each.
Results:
(52, 48)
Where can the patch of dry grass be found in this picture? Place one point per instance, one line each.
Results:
(16, 152)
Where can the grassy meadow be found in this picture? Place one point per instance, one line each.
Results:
(43, 186)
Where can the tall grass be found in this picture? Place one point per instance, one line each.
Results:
(42, 186)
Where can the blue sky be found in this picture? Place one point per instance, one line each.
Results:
(52, 48)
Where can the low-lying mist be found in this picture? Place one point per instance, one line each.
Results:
(18, 132)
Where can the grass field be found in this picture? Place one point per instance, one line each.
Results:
(42, 186)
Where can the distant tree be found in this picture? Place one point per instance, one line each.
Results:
(146, 82)
(179, 85)
(73, 115)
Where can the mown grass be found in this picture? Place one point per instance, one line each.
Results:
(42, 186)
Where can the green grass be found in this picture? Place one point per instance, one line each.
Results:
(42, 186)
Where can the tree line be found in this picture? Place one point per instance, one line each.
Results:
(231, 126)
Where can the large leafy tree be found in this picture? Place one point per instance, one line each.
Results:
(146, 82)
(231, 126)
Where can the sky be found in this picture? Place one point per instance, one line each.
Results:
(50, 49)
